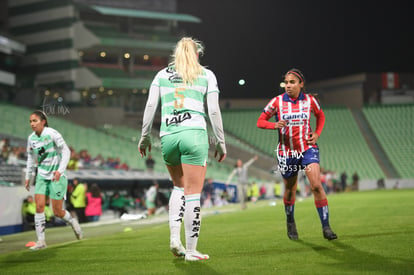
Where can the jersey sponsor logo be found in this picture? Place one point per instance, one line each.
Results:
(295, 123)
(294, 116)
(177, 118)
(175, 78)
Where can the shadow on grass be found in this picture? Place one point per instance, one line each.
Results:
(40, 257)
(200, 267)
(351, 259)
(19, 260)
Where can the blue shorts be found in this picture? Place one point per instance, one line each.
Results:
(290, 166)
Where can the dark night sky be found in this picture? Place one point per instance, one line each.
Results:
(259, 40)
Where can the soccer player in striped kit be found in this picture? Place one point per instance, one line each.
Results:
(297, 148)
(47, 150)
(182, 88)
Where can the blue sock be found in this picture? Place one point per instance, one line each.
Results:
(289, 210)
(323, 211)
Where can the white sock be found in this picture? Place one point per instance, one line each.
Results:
(176, 212)
(67, 217)
(40, 225)
(192, 221)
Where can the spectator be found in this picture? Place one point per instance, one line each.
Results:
(151, 199)
(242, 179)
(123, 166)
(84, 158)
(74, 161)
(150, 163)
(381, 183)
(278, 189)
(119, 204)
(13, 156)
(355, 182)
(222, 200)
(208, 191)
(98, 161)
(2, 143)
(262, 192)
(5, 149)
(94, 201)
(28, 212)
(254, 192)
(343, 181)
(78, 200)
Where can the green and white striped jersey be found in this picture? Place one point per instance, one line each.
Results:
(50, 151)
(182, 107)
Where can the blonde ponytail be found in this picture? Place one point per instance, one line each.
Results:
(185, 59)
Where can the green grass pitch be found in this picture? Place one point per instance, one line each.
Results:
(375, 230)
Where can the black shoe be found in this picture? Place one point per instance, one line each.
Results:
(291, 231)
(329, 234)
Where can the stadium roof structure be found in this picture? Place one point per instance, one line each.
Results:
(145, 14)
(9, 46)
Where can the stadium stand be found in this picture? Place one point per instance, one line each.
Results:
(214, 170)
(242, 123)
(15, 123)
(393, 127)
(108, 141)
(342, 146)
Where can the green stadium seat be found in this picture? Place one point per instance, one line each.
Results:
(342, 145)
(393, 127)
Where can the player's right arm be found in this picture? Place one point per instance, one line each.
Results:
(29, 166)
(149, 114)
(268, 112)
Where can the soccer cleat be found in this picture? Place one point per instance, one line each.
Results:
(177, 248)
(291, 231)
(77, 229)
(329, 234)
(193, 256)
(39, 245)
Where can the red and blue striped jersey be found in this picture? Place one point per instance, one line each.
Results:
(297, 113)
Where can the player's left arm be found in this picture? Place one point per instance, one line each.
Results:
(214, 114)
(320, 121)
(30, 166)
(64, 152)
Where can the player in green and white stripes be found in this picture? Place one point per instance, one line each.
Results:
(47, 158)
(183, 89)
